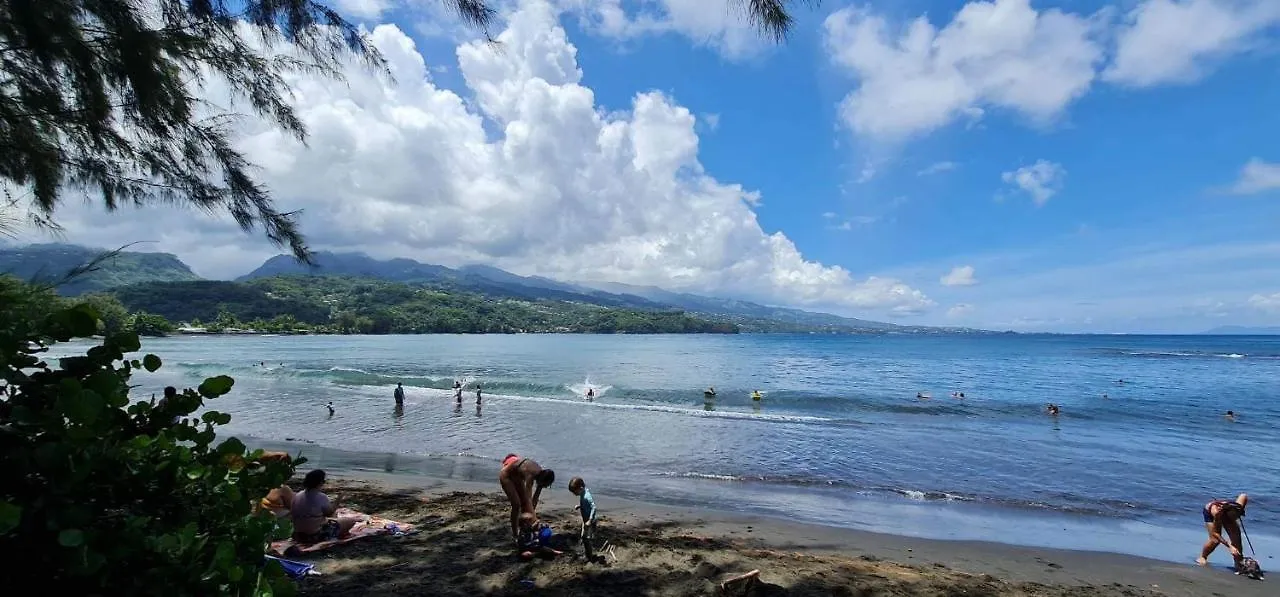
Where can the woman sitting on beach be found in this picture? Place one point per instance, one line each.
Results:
(312, 513)
(1222, 515)
(523, 481)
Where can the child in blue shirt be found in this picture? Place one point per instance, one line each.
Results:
(587, 506)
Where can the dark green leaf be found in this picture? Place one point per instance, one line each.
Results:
(125, 341)
(231, 446)
(10, 517)
(82, 321)
(151, 362)
(70, 538)
(82, 407)
(216, 386)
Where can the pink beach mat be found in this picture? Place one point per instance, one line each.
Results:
(369, 527)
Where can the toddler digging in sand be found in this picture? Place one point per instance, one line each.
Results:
(587, 506)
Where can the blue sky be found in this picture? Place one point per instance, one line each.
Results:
(1084, 165)
(1146, 170)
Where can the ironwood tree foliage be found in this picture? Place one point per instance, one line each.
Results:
(104, 95)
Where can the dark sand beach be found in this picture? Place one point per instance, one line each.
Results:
(464, 549)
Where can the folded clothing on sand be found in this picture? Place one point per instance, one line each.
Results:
(369, 527)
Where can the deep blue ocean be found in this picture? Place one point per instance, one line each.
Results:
(839, 438)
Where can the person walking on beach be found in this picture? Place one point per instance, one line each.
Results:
(523, 480)
(399, 394)
(1220, 515)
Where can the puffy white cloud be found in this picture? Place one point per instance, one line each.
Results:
(1041, 180)
(717, 24)
(959, 310)
(937, 168)
(1266, 302)
(535, 178)
(1176, 41)
(1257, 176)
(362, 9)
(961, 275)
(999, 54)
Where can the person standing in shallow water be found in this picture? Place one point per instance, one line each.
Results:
(399, 394)
(478, 394)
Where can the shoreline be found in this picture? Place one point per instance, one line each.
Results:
(464, 550)
(903, 518)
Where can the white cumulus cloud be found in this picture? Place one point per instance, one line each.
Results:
(717, 24)
(1004, 54)
(1257, 176)
(959, 310)
(961, 275)
(1177, 41)
(1265, 302)
(532, 175)
(1040, 180)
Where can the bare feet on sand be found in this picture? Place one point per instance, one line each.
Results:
(1202, 561)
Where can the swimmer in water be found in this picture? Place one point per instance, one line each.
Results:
(591, 394)
(331, 409)
(920, 396)
(1231, 416)
(756, 395)
(1052, 409)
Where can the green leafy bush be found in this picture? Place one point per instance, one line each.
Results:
(105, 495)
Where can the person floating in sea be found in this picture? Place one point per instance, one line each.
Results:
(591, 394)
(1220, 515)
(330, 409)
(523, 480)
(1231, 416)
(756, 395)
(922, 396)
(1105, 396)
(1052, 409)
(399, 394)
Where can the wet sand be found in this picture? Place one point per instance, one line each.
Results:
(464, 549)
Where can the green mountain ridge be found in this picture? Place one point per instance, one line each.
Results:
(129, 273)
(51, 263)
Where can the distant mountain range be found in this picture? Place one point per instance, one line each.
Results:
(51, 261)
(1241, 330)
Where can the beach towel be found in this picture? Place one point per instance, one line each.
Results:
(295, 570)
(369, 527)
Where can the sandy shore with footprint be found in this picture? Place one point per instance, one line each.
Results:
(463, 549)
